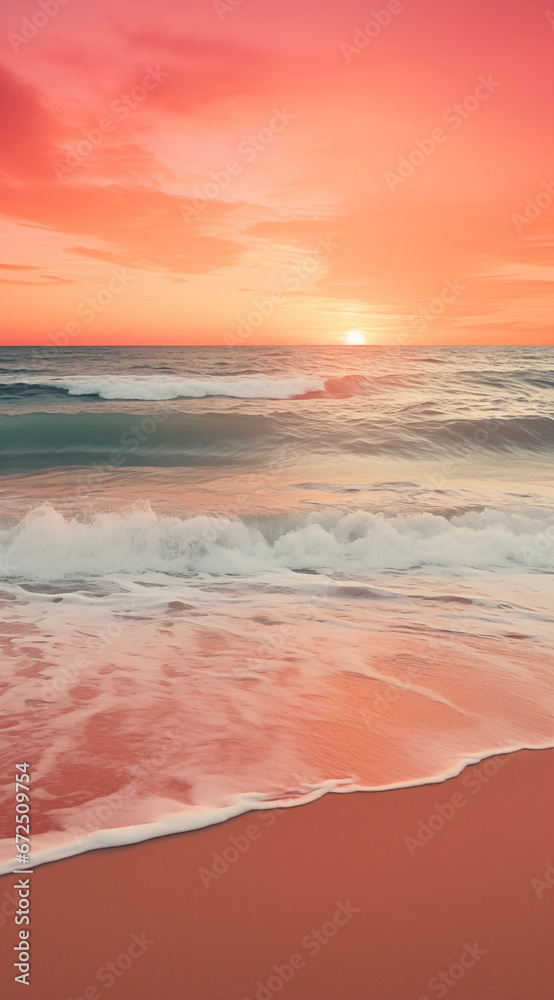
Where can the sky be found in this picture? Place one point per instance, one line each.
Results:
(245, 172)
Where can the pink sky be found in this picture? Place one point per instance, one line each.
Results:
(247, 172)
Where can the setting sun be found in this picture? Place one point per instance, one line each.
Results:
(354, 338)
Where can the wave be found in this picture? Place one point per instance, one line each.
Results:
(27, 390)
(166, 437)
(250, 384)
(45, 545)
(162, 438)
(246, 385)
(464, 438)
(123, 387)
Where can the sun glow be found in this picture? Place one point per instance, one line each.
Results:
(354, 338)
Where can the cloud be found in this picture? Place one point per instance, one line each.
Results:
(48, 280)
(202, 72)
(27, 129)
(142, 228)
(19, 267)
(131, 222)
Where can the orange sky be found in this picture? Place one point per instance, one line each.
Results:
(251, 172)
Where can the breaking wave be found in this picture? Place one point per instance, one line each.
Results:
(247, 384)
(170, 387)
(45, 545)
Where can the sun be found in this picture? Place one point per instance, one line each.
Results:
(354, 338)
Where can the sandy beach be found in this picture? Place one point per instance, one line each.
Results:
(434, 891)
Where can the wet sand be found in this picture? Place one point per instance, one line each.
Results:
(442, 890)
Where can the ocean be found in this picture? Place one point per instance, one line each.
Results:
(242, 578)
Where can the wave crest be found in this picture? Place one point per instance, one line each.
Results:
(128, 387)
(47, 546)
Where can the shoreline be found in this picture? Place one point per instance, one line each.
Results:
(185, 822)
(374, 896)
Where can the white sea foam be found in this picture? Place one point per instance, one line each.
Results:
(159, 387)
(59, 845)
(47, 546)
